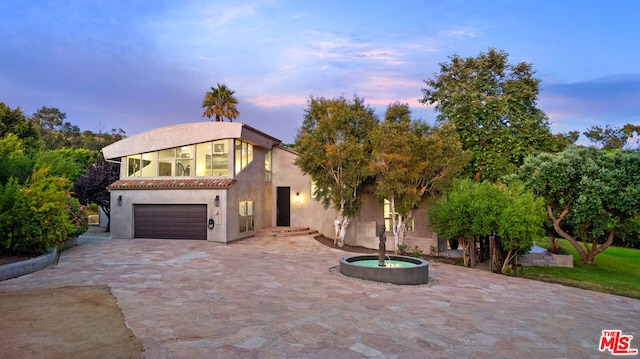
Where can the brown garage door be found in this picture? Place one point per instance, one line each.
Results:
(170, 221)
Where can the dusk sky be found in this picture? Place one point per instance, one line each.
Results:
(138, 65)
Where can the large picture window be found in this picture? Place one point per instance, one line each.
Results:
(202, 159)
(246, 216)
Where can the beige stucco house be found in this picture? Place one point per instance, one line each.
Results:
(223, 181)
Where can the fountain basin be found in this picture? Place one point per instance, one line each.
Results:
(407, 271)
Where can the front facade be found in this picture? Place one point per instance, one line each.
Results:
(223, 181)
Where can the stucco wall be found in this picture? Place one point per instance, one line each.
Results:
(250, 186)
(308, 212)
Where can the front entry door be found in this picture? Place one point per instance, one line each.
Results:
(283, 204)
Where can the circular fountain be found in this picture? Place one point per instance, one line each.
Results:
(397, 269)
(386, 268)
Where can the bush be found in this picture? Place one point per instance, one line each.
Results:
(403, 249)
(77, 216)
(38, 216)
(417, 252)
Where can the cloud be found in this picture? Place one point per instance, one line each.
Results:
(613, 100)
(270, 101)
(460, 32)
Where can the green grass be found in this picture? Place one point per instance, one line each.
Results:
(615, 271)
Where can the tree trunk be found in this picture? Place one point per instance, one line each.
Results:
(107, 212)
(507, 259)
(587, 254)
(465, 247)
(493, 249)
(340, 223)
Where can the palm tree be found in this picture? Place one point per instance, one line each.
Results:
(221, 103)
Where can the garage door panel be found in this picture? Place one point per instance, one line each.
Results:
(170, 221)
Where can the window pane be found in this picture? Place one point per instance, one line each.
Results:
(242, 208)
(238, 157)
(184, 152)
(249, 208)
(387, 209)
(249, 153)
(204, 159)
(165, 167)
(168, 153)
(133, 166)
(183, 167)
(245, 155)
(220, 160)
(149, 163)
(267, 161)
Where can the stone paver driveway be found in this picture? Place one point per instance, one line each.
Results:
(277, 298)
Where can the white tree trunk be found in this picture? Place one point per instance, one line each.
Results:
(399, 225)
(340, 225)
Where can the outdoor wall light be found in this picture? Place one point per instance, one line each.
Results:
(296, 198)
(120, 200)
(216, 201)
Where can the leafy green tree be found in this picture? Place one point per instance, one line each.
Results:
(49, 118)
(335, 150)
(589, 194)
(520, 221)
(14, 121)
(221, 103)
(13, 160)
(411, 160)
(493, 106)
(473, 210)
(66, 162)
(92, 186)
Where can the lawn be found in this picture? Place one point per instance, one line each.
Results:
(615, 271)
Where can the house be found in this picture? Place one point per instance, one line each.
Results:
(223, 181)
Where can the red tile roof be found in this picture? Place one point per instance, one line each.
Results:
(207, 183)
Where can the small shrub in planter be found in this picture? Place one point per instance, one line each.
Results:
(403, 249)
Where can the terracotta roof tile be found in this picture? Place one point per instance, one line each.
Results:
(173, 183)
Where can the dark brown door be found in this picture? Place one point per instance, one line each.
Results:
(283, 205)
(170, 221)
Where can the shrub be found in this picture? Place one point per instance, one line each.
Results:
(417, 252)
(77, 216)
(39, 218)
(403, 249)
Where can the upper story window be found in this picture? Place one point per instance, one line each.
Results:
(212, 158)
(267, 166)
(177, 161)
(202, 159)
(244, 155)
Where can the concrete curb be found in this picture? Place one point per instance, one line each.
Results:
(17, 269)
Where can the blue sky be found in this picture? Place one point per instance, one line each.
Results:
(139, 65)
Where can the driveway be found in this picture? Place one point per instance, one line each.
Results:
(277, 297)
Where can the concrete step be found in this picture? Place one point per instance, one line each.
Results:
(286, 232)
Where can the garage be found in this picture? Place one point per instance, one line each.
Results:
(170, 221)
